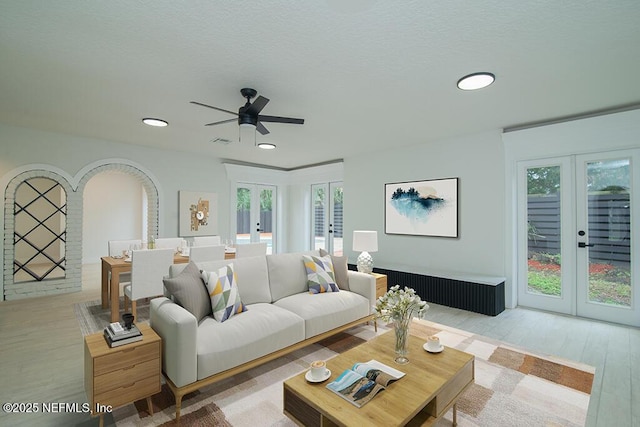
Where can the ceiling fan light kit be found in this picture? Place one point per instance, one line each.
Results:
(476, 81)
(249, 115)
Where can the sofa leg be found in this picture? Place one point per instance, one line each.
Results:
(375, 325)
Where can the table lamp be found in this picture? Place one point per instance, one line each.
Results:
(365, 241)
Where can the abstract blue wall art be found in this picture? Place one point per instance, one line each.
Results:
(423, 208)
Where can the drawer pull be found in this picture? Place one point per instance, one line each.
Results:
(129, 367)
(130, 385)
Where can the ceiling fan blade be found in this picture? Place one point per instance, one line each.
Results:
(260, 128)
(221, 122)
(276, 119)
(215, 108)
(257, 105)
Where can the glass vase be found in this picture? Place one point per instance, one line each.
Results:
(401, 328)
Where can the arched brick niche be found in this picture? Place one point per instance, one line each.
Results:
(72, 281)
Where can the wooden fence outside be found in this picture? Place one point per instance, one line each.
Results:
(609, 226)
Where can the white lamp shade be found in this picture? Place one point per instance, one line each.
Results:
(366, 241)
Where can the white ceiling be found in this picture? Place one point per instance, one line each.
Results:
(365, 75)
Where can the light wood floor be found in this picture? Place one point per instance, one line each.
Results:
(41, 353)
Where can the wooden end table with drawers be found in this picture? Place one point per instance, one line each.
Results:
(117, 376)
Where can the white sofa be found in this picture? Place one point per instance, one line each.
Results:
(281, 316)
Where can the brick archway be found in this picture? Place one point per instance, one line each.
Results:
(72, 281)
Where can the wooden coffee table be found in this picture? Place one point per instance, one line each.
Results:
(431, 386)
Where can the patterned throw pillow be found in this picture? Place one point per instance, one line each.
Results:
(340, 269)
(223, 290)
(320, 275)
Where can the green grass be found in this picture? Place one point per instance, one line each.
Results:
(543, 282)
(606, 288)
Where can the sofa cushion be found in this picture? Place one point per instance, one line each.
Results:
(340, 269)
(320, 276)
(223, 290)
(189, 291)
(327, 311)
(263, 329)
(287, 275)
(253, 276)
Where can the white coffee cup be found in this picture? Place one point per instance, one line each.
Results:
(433, 343)
(318, 369)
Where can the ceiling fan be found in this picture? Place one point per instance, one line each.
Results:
(249, 113)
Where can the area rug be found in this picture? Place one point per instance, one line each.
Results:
(512, 386)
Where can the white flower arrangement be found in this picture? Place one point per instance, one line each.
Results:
(400, 305)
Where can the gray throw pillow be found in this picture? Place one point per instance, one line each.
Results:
(189, 291)
(340, 269)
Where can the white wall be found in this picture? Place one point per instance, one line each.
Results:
(112, 210)
(173, 170)
(477, 161)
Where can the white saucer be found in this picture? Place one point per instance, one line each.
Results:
(433, 351)
(127, 260)
(309, 378)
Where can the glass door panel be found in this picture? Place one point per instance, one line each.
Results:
(256, 215)
(335, 221)
(243, 213)
(326, 217)
(606, 269)
(319, 223)
(545, 265)
(265, 225)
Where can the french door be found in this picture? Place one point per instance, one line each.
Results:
(577, 252)
(256, 215)
(326, 217)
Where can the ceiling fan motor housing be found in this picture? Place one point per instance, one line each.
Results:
(245, 118)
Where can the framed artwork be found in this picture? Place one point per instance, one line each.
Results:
(198, 213)
(422, 208)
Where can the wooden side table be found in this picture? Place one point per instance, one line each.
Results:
(381, 284)
(117, 376)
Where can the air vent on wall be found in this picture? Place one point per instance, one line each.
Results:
(222, 141)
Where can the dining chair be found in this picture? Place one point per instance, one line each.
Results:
(206, 253)
(251, 249)
(207, 241)
(117, 246)
(148, 267)
(115, 250)
(169, 242)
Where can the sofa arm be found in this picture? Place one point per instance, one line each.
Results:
(179, 330)
(363, 284)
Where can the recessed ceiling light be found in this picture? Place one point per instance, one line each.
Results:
(155, 122)
(476, 81)
(266, 145)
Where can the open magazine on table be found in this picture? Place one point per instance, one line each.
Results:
(363, 381)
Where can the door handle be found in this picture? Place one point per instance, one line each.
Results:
(585, 245)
